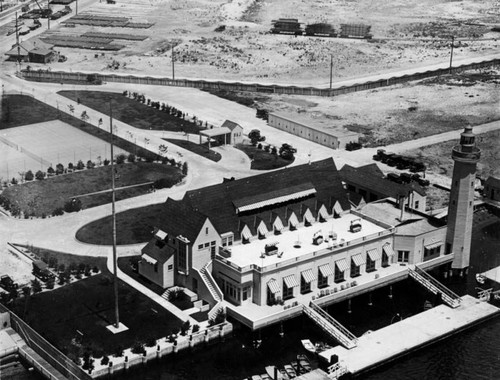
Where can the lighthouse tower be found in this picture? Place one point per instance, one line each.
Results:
(460, 209)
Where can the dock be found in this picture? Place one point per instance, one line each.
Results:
(401, 338)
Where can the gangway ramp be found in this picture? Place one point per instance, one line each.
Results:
(330, 325)
(434, 286)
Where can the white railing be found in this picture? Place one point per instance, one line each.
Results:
(449, 297)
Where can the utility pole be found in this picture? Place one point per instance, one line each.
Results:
(331, 71)
(115, 271)
(48, 15)
(76, 8)
(451, 52)
(173, 60)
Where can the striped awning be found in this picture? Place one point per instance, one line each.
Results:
(245, 233)
(342, 265)
(161, 235)
(323, 213)
(294, 222)
(374, 254)
(149, 259)
(264, 200)
(326, 270)
(273, 286)
(388, 250)
(358, 259)
(278, 224)
(432, 243)
(262, 229)
(337, 208)
(308, 216)
(290, 281)
(308, 276)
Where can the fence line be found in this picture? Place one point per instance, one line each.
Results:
(25, 151)
(93, 78)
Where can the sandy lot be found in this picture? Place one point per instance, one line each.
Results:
(406, 34)
(17, 267)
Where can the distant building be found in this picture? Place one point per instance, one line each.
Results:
(492, 188)
(41, 51)
(334, 138)
(264, 245)
(461, 206)
(228, 133)
(369, 183)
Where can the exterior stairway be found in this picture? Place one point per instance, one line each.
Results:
(214, 290)
(330, 325)
(435, 287)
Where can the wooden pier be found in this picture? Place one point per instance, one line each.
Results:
(401, 338)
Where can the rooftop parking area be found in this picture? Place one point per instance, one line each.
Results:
(298, 243)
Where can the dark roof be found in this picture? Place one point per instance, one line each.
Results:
(493, 181)
(217, 202)
(41, 51)
(178, 218)
(158, 252)
(230, 124)
(29, 45)
(371, 177)
(41, 265)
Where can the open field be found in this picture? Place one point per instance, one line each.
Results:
(406, 33)
(57, 142)
(201, 150)
(88, 306)
(131, 111)
(39, 198)
(132, 226)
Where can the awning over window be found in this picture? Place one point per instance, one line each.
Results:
(374, 254)
(262, 229)
(433, 243)
(290, 281)
(161, 235)
(245, 233)
(337, 208)
(149, 259)
(294, 222)
(278, 224)
(388, 250)
(342, 265)
(308, 216)
(326, 270)
(273, 286)
(323, 213)
(308, 276)
(358, 259)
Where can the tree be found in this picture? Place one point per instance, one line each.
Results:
(50, 283)
(26, 291)
(106, 162)
(131, 157)
(51, 170)
(14, 181)
(80, 165)
(40, 175)
(73, 205)
(71, 166)
(185, 168)
(274, 150)
(36, 286)
(90, 164)
(29, 176)
(120, 159)
(59, 168)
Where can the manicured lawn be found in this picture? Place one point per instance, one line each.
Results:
(262, 160)
(88, 306)
(40, 198)
(131, 111)
(201, 150)
(132, 227)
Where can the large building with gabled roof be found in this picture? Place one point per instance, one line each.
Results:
(264, 245)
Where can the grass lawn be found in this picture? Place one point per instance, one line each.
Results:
(24, 110)
(201, 150)
(132, 227)
(262, 160)
(40, 198)
(131, 111)
(88, 306)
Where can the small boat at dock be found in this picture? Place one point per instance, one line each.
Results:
(307, 344)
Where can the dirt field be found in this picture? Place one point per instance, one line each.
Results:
(406, 34)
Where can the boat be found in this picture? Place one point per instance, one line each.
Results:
(308, 345)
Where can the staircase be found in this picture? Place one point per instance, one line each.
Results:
(435, 287)
(214, 290)
(330, 325)
(166, 293)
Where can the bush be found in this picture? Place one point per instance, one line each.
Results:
(90, 164)
(138, 348)
(106, 162)
(105, 360)
(80, 165)
(150, 342)
(50, 283)
(120, 159)
(131, 157)
(185, 327)
(73, 205)
(58, 211)
(185, 168)
(14, 181)
(29, 176)
(118, 351)
(196, 328)
(59, 169)
(40, 175)
(163, 183)
(51, 170)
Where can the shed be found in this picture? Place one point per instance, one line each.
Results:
(40, 55)
(492, 188)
